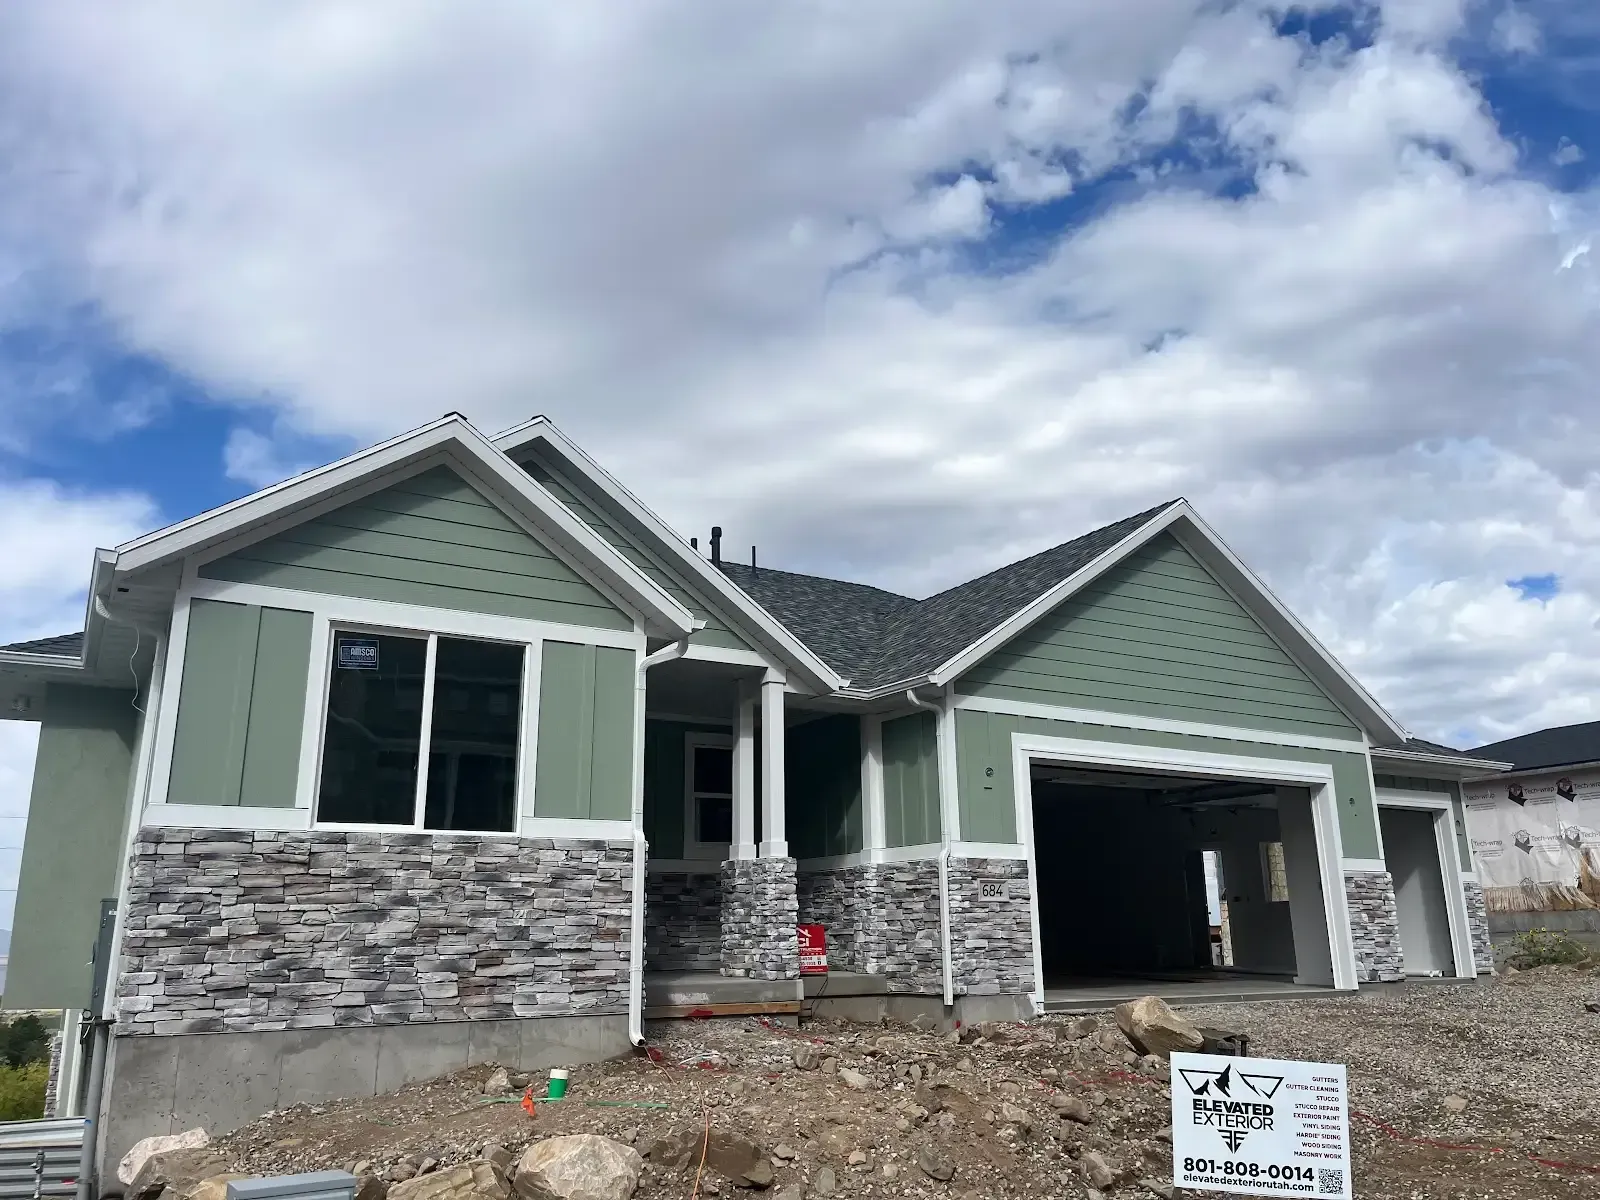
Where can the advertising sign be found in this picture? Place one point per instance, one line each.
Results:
(813, 941)
(1260, 1126)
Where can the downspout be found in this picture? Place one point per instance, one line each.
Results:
(102, 1020)
(940, 716)
(640, 847)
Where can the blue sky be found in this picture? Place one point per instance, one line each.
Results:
(899, 294)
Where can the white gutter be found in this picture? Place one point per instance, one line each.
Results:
(640, 847)
(940, 715)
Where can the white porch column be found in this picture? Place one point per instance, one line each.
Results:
(876, 836)
(744, 773)
(774, 841)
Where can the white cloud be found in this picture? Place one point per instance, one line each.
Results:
(258, 461)
(1516, 31)
(1567, 153)
(768, 267)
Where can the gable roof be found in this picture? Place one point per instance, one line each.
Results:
(775, 635)
(1562, 746)
(450, 440)
(934, 641)
(879, 638)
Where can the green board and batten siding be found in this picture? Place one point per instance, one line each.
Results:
(77, 817)
(588, 510)
(1157, 636)
(430, 540)
(240, 706)
(822, 787)
(910, 781)
(584, 767)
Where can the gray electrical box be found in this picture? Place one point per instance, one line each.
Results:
(314, 1185)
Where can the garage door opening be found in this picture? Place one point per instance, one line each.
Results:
(1184, 886)
(1411, 851)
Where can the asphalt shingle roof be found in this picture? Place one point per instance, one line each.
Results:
(1423, 746)
(67, 645)
(875, 637)
(1558, 747)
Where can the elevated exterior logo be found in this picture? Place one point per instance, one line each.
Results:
(1263, 1127)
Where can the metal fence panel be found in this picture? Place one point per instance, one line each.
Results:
(40, 1158)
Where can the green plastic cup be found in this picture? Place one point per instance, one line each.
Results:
(558, 1083)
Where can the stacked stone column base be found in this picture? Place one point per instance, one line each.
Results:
(1374, 926)
(1478, 927)
(760, 910)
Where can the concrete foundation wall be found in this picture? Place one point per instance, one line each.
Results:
(162, 1085)
(231, 931)
(683, 921)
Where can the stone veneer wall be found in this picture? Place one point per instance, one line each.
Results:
(230, 930)
(759, 912)
(991, 937)
(882, 919)
(52, 1081)
(1374, 926)
(1478, 927)
(838, 900)
(683, 921)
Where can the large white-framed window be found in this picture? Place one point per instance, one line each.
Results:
(422, 730)
(707, 795)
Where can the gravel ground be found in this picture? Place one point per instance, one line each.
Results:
(855, 1111)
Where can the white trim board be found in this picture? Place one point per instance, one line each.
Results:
(1116, 720)
(1444, 837)
(1318, 777)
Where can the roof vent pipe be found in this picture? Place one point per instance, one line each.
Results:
(716, 545)
(752, 560)
(694, 543)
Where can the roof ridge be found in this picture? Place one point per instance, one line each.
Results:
(866, 587)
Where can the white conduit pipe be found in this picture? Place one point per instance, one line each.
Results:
(940, 716)
(640, 847)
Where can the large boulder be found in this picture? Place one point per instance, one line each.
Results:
(180, 1170)
(1153, 1028)
(135, 1158)
(579, 1166)
(214, 1188)
(479, 1180)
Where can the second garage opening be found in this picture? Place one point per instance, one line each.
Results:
(1125, 893)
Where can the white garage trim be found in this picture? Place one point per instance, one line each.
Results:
(1028, 748)
(1455, 897)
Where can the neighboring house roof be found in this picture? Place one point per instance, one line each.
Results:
(64, 645)
(878, 638)
(1563, 746)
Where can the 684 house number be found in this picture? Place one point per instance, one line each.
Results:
(1248, 1170)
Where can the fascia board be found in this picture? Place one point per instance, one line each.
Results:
(1462, 767)
(779, 638)
(468, 449)
(219, 524)
(1026, 616)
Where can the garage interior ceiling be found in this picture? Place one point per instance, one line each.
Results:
(1174, 790)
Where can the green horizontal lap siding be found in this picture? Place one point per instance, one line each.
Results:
(587, 510)
(822, 787)
(911, 781)
(983, 756)
(431, 540)
(1158, 636)
(585, 750)
(1458, 815)
(241, 704)
(77, 813)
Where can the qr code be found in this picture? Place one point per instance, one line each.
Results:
(1330, 1181)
